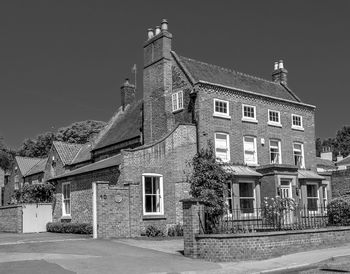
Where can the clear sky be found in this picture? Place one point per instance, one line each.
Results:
(64, 61)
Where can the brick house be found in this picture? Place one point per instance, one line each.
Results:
(136, 177)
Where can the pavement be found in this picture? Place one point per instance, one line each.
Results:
(68, 253)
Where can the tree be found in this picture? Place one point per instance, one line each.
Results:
(6, 155)
(318, 147)
(208, 181)
(79, 132)
(342, 141)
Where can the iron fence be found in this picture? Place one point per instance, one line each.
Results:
(264, 220)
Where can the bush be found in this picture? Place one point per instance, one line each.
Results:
(338, 211)
(175, 230)
(154, 231)
(37, 193)
(75, 228)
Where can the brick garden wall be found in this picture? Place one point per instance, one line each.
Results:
(340, 183)
(258, 246)
(11, 219)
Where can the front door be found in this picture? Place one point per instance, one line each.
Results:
(286, 192)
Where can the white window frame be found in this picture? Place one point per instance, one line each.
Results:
(176, 103)
(161, 212)
(222, 114)
(249, 119)
(16, 182)
(318, 197)
(324, 196)
(302, 153)
(297, 127)
(64, 209)
(255, 152)
(274, 123)
(228, 146)
(254, 198)
(279, 150)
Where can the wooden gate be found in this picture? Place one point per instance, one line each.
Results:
(35, 217)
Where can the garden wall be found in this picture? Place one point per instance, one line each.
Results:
(11, 218)
(251, 246)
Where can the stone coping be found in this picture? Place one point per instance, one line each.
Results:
(10, 206)
(272, 233)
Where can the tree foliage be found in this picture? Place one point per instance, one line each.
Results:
(340, 144)
(6, 156)
(38, 193)
(78, 132)
(208, 180)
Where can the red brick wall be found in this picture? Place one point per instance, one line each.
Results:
(208, 125)
(52, 170)
(11, 219)
(340, 183)
(10, 186)
(257, 246)
(81, 194)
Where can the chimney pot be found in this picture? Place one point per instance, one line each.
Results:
(157, 30)
(150, 33)
(275, 67)
(280, 64)
(164, 24)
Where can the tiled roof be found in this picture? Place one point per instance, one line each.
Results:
(105, 163)
(25, 164)
(200, 71)
(345, 161)
(324, 163)
(123, 126)
(83, 155)
(67, 151)
(308, 174)
(241, 171)
(39, 167)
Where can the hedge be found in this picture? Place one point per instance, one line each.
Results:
(75, 228)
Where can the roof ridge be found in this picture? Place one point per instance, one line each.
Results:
(27, 157)
(230, 70)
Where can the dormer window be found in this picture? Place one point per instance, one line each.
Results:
(249, 113)
(221, 108)
(274, 118)
(297, 122)
(177, 99)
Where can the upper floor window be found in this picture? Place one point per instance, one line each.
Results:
(222, 146)
(298, 152)
(297, 122)
(250, 152)
(16, 185)
(274, 118)
(177, 99)
(249, 113)
(275, 152)
(152, 185)
(221, 108)
(66, 209)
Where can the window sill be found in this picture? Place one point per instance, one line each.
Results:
(254, 121)
(153, 217)
(298, 128)
(178, 110)
(66, 217)
(274, 124)
(218, 115)
(252, 164)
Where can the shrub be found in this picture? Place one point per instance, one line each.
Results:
(37, 193)
(175, 230)
(338, 211)
(154, 231)
(75, 228)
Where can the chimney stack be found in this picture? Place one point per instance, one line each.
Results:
(339, 157)
(127, 92)
(279, 74)
(327, 153)
(150, 33)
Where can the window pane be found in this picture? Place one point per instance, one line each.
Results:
(174, 102)
(246, 190)
(312, 204)
(148, 185)
(148, 203)
(180, 98)
(311, 190)
(247, 205)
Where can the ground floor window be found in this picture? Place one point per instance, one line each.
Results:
(152, 185)
(66, 208)
(312, 197)
(325, 196)
(246, 197)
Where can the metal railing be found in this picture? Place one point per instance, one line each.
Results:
(264, 220)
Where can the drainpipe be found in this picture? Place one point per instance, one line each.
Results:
(94, 210)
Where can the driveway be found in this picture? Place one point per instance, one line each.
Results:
(65, 253)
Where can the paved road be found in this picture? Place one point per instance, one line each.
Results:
(76, 255)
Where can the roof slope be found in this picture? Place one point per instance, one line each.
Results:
(345, 161)
(308, 174)
(83, 155)
(200, 71)
(324, 163)
(25, 164)
(105, 163)
(39, 167)
(124, 125)
(67, 151)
